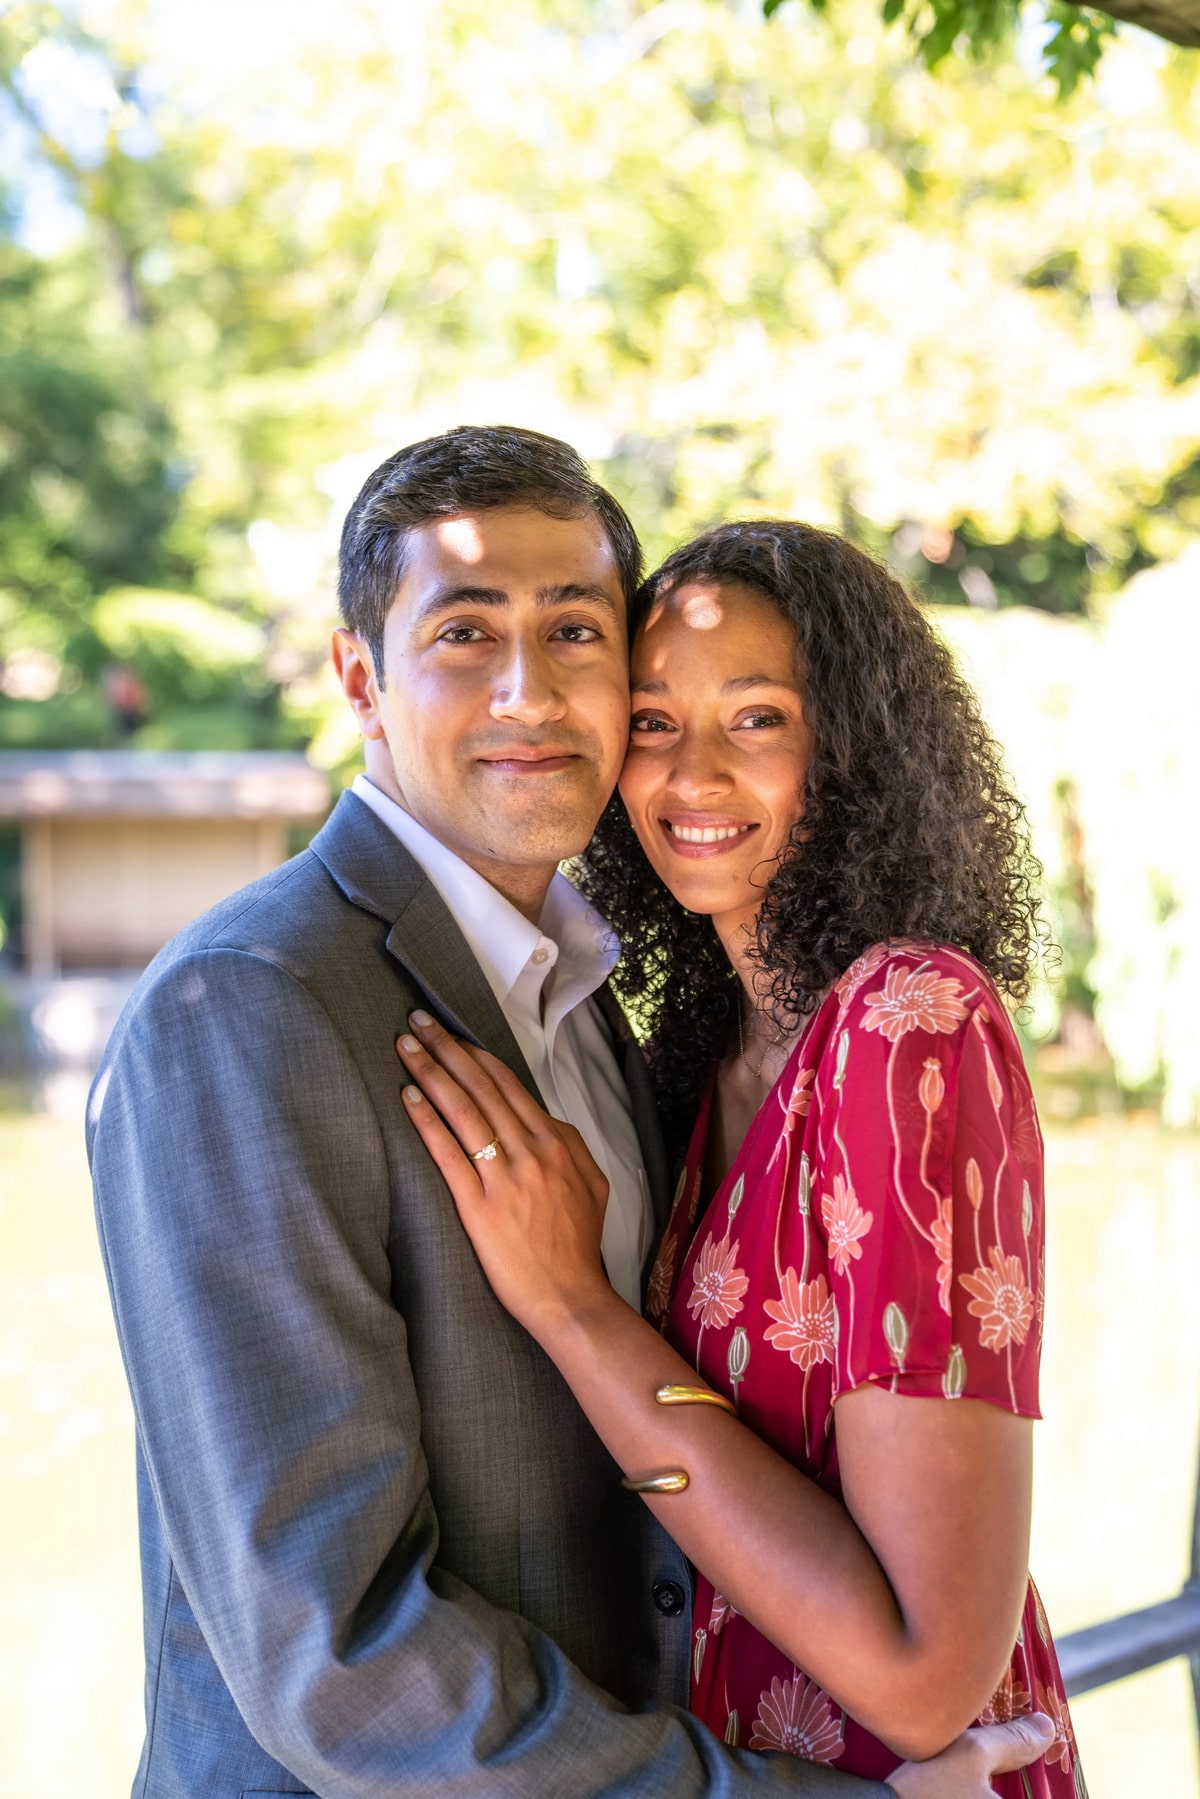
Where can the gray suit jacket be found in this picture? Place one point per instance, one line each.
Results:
(383, 1552)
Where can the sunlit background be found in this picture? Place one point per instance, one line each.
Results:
(748, 267)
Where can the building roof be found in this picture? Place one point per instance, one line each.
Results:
(153, 784)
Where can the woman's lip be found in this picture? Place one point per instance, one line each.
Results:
(693, 851)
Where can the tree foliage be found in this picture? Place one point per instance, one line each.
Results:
(1074, 35)
(748, 267)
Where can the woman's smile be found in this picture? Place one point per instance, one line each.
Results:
(694, 835)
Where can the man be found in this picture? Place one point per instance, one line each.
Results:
(383, 1553)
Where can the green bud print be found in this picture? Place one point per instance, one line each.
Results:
(955, 1377)
(895, 1333)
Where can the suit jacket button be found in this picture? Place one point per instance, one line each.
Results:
(668, 1597)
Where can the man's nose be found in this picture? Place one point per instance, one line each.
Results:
(525, 688)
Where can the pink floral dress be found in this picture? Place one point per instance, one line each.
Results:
(882, 1222)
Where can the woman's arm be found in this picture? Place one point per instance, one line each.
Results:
(904, 1602)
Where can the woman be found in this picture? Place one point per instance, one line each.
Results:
(852, 1264)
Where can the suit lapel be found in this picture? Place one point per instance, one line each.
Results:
(376, 872)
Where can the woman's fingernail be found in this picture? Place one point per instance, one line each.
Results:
(413, 1095)
(410, 1046)
(420, 1018)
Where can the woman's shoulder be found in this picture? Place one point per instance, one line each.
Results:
(908, 984)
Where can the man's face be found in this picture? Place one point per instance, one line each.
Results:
(504, 713)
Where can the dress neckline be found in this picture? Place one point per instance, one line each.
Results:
(698, 1141)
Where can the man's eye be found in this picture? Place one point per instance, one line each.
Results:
(578, 633)
(461, 634)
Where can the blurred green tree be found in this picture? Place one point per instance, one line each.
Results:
(749, 268)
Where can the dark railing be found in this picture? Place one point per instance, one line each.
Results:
(1122, 1646)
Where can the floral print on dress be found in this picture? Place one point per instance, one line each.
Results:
(797, 1717)
(718, 1284)
(845, 1222)
(1002, 1302)
(889, 1226)
(805, 1321)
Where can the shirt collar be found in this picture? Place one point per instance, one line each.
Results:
(501, 939)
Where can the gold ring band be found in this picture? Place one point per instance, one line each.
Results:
(694, 1396)
(488, 1153)
(658, 1483)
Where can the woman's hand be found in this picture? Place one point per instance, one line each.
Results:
(535, 1210)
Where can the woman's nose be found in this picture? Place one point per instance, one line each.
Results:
(698, 769)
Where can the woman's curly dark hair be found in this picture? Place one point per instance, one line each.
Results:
(909, 827)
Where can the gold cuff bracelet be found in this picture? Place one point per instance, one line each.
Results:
(694, 1396)
(658, 1483)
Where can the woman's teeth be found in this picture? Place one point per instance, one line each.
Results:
(707, 833)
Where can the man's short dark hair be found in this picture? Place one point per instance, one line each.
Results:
(474, 468)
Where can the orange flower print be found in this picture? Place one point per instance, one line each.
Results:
(931, 1089)
(1002, 1300)
(800, 1099)
(914, 1000)
(722, 1611)
(718, 1284)
(974, 1183)
(798, 1717)
(860, 971)
(658, 1291)
(942, 1232)
(845, 1223)
(1010, 1700)
(1055, 1708)
(807, 1321)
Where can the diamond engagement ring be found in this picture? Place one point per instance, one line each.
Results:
(489, 1152)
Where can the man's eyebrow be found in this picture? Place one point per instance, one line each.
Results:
(735, 684)
(589, 593)
(445, 599)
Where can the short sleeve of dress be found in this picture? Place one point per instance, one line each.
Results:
(931, 1190)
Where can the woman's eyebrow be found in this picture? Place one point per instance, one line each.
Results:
(735, 684)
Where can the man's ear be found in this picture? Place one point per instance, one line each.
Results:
(356, 672)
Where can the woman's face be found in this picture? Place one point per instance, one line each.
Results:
(719, 749)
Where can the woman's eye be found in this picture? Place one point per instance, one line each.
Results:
(645, 723)
(760, 721)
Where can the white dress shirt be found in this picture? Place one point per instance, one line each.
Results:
(543, 977)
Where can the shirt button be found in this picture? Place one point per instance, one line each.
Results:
(668, 1597)
(539, 956)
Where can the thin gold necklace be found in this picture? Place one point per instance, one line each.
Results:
(776, 1040)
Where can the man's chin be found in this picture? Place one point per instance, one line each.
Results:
(539, 835)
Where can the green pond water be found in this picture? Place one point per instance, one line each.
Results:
(1114, 1484)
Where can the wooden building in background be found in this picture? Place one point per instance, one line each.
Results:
(121, 848)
